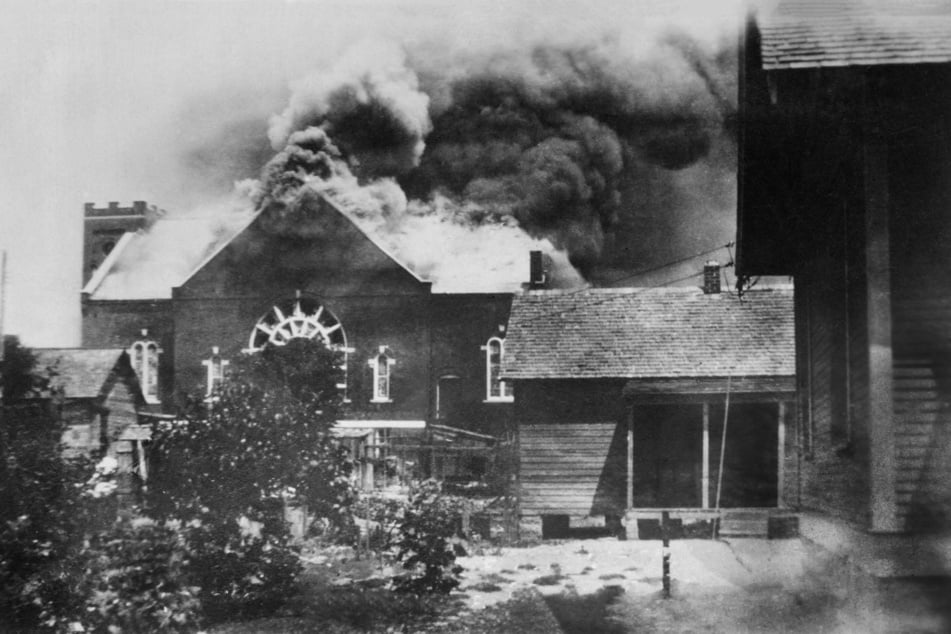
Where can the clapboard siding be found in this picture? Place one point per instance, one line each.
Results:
(568, 468)
(922, 341)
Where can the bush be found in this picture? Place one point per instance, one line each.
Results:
(42, 510)
(428, 541)
(225, 468)
(244, 568)
(383, 516)
(135, 581)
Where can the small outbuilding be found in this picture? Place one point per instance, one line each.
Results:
(630, 401)
(98, 397)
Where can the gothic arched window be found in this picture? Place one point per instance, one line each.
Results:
(496, 389)
(381, 375)
(145, 354)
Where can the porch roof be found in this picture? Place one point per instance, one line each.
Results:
(649, 333)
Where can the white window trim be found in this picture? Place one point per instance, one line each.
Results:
(344, 386)
(209, 373)
(144, 371)
(373, 363)
(489, 397)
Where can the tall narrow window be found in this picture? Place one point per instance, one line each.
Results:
(215, 371)
(145, 357)
(381, 376)
(496, 388)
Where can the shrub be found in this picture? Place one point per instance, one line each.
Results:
(134, 581)
(226, 466)
(428, 540)
(244, 569)
(42, 511)
(383, 515)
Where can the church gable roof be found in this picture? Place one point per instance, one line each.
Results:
(181, 251)
(313, 239)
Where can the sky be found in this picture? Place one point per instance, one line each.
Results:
(159, 101)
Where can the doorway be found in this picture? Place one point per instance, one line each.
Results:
(668, 455)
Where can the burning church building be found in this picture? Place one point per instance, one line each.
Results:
(417, 352)
(395, 222)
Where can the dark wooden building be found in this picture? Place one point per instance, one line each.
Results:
(845, 184)
(622, 395)
(96, 395)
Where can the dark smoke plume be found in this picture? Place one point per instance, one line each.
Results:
(555, 140)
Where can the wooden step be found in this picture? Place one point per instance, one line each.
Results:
(744, 524)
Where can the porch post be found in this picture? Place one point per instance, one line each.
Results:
(781, 455)
(881, 435)
(705, 468)
(630, 458)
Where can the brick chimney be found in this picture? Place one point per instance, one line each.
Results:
(711, 277)
(538, 265)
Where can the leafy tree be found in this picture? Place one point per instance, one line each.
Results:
(225, 468)
(264, 433)
(429, 541)
(41, 510)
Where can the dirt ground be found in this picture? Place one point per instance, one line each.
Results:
(615, 587)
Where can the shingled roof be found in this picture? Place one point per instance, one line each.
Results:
(78, 372)
(649, 333)
(814, 33)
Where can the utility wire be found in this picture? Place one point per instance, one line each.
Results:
(616, 296)
(665, 265)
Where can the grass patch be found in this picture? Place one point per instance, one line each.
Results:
(587, 614)
(485, 586)
(548, 580)
(494, 577)
(372, 608)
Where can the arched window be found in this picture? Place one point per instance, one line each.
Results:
(145, 354)
(381, 376)
(301, 318)
(496, 388)
(215, 371)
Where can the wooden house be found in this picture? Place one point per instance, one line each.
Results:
(624, 396)
(845, 184)
(96, 394)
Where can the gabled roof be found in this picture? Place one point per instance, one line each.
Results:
(649, 333)
(79, 372)
(815, 33)
(149, 264)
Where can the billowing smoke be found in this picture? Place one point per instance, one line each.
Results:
(369, 103)
(552, 140)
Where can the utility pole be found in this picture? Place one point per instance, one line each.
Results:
(3, 296)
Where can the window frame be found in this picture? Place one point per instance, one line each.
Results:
(505, 389)
(210, 378)
(144, 355)
(383, 360)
